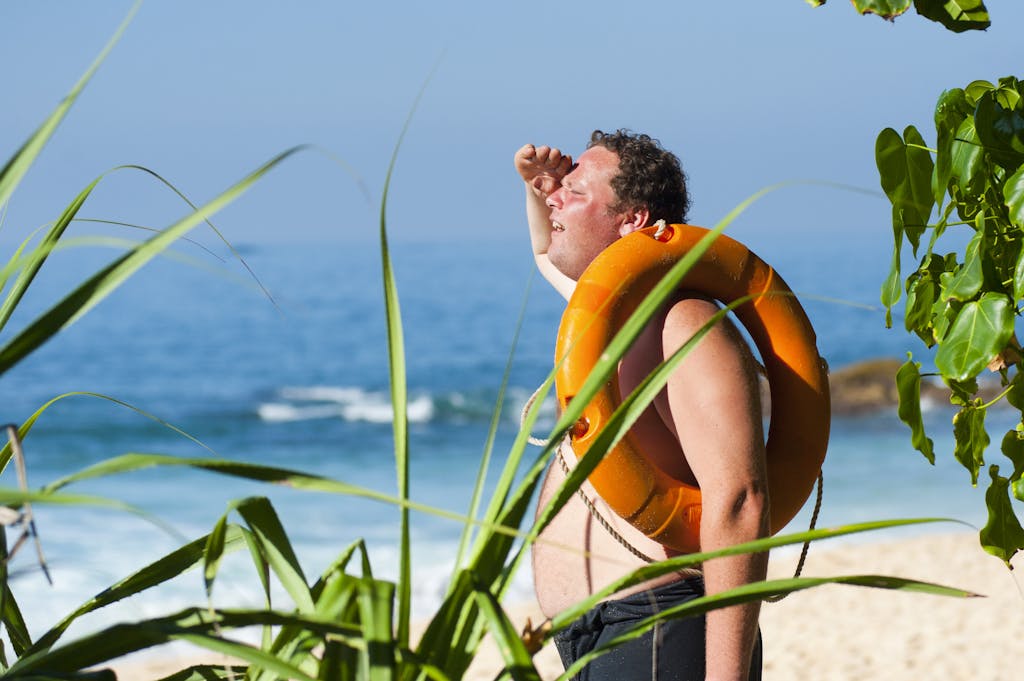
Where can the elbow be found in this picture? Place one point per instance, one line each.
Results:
(751, 509)
(741, 515)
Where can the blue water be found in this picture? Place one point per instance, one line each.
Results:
(303, 383)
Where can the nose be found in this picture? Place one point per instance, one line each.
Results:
(554, 199)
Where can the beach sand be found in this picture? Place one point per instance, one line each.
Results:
(848, 633)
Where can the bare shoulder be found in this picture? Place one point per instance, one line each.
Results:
(692, 314)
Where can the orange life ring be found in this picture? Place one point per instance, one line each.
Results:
(662, 507)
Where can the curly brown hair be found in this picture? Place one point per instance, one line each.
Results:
(649, 176)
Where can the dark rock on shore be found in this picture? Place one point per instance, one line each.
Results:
(870, 386)
(865, 386)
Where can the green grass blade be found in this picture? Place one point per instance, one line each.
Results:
(213, 552)
(223, 239)
(376, 600)
(400, 428)
(14, 263)
(759, 591)
(97, 675)
(26, 427)
(259, 561)
(292, 479)
(14, 623)
(518, 661)
(10, 613)
(170, 566)
(664, 567)
(41, 253)
(195, 625)
(207, 672)
(481, 477)
(335, 595)
(16, 167)
(147, 228)
(399, 393)
(16, 497)
(275, 546)
(104, 282)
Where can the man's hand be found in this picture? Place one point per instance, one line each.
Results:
(542, 168)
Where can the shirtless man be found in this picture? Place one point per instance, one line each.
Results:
(704, 428)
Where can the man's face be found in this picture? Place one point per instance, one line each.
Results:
(581, 212)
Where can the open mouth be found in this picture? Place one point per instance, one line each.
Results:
(557, 226)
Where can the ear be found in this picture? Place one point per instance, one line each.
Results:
(634, 220)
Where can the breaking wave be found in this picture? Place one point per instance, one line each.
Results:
(350, 403)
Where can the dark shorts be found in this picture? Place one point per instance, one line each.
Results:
(680, 642)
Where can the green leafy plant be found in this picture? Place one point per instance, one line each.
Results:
(955, 15)
(964, 303)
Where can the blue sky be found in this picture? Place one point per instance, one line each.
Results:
(750, 94)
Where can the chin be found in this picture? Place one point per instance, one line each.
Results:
(566, 268)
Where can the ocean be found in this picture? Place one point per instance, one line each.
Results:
(302, 382)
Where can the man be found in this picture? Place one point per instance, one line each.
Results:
(704, 428)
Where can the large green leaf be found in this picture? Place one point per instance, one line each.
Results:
(966, 154)
(981, 330)
(967, 278)
(977, 89)
(1002, 535)
(971, 439)
(905, 170)
(950, 111)
(887, 9)
(908, 383)
(1013, 194)
(921, 294)
(891, 287)
(1012, 448)
(1018, 277)
(1000, 130)
(956, 15)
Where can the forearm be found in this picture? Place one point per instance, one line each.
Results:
(538, 216)
(731, 631)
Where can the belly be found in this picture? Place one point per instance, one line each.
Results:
(576, 556)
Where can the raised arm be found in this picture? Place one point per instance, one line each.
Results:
(714, 409)
(542, 170)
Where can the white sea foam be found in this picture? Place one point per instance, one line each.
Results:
(323, 393)
(303, 403)
(277, 411)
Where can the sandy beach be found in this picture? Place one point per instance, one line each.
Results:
(847, 633)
